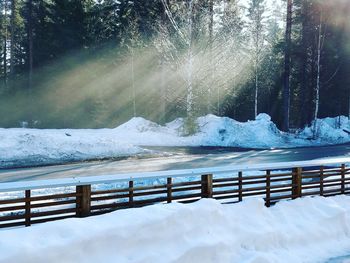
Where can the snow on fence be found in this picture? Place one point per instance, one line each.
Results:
(26, 203)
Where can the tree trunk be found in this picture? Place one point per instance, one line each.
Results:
(189, 107)
(163, 85)
(287, 58)
(304, 86)
(133, 82)
(30, 43)
(317, 96)
(256, 88)
(30, 58)
(5, 44)
(12, 50)
(211, 25)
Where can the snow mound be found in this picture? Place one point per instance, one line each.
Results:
(332, 130)
(305, 230)
(25, 147)
(139, 124)
(263, 117)
(224, 131)
(212, 131)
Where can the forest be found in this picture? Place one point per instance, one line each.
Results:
(98, 63)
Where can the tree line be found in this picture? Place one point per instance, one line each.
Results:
(97, 63)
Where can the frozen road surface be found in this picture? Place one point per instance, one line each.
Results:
(176, 158)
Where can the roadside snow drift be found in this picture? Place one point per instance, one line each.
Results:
(304, 230)
(223, 131)
(25, 147)
(212, 131)
(21, 147)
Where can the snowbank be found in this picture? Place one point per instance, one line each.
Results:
(32, 146)
(223, 131)
(304, 230)
(20, 147)
(332, 130)
(212, 131)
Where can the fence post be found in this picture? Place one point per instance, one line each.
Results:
(207, 185)
(321, 180)
(168, 187)
(83, 200)
(240, 186)
(297, 183)
(131, 193)
(343, 178)
(268, 189)
(27, 208)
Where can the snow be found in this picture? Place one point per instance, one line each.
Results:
(223, 131)
(303, 230)
(33, 146)
(25, 147)
(330, 130)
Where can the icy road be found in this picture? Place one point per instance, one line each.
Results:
(175, 158)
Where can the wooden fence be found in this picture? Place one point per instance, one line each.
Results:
(82, 199)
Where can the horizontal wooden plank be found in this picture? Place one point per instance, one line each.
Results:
(223, 180)
(313, 186)
(13, 224)
(53, 212)
(50, 204)
(110, 191)
(311, 193)
(174, 185)
(128, 204)
(53, 196)
(11, 208)
(328, 170)
(324, 175)
(224, 192)
(222, 185)
(12, 201)
(347, 192)
(254, 182)
(109, 197)
(159, 192)
(287, 178)
(252, 189)
(283, 190)
(11, 217)
(184, 189)
(144, 188)
(259, 193)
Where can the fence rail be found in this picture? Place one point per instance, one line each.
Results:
(79, 197)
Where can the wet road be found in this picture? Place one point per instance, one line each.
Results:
(176, 158)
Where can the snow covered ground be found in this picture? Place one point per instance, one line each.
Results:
(303, 230)
(25, 147)
(223, 131)
(32, 146)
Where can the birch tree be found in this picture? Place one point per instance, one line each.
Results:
(286, 77)
(320, 41)
(256, 29)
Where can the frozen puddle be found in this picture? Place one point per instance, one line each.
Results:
(342, 259)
